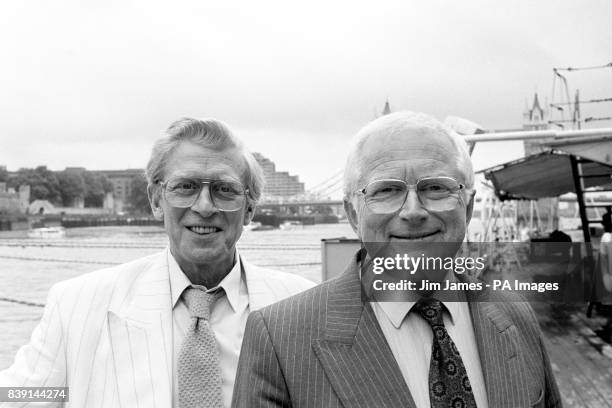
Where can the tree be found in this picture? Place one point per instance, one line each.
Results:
(72, 187)
(43, 182)
(96, 187)
(138, 202)
(3, 173)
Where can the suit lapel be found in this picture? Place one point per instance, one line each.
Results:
(497, 339)
(140, 333)
(354, 352)
(260, 293)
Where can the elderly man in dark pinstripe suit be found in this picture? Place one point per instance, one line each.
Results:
(408, 179)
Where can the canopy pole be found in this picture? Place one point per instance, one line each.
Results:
(581, 207)
(562, 135)
(579, 186)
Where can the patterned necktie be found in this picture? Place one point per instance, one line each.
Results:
(449, 386)
(199, 373)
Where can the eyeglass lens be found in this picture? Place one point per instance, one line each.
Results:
(225, 195)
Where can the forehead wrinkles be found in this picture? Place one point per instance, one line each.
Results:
(409, 142)
(389, 153)
(409, 171)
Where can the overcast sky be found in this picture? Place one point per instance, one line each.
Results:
(92, 84)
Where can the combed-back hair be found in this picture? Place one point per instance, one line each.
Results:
(209, 133)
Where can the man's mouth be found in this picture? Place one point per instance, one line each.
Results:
(201, 230)
(415, 236)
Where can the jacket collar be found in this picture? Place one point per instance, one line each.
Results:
(353, 351)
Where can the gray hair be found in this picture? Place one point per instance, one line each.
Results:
(397, 123)
(209, 133)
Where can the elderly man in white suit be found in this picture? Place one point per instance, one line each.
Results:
(119, 337)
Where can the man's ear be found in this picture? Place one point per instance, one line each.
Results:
(154, 194)
(351, 214)
(469, 208)
(249, 214)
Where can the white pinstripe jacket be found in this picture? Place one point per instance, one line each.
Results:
(107, 335)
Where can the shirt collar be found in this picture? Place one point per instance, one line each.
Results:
(232, 284)
(397, 311)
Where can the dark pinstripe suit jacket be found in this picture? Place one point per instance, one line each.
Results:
(324, 348)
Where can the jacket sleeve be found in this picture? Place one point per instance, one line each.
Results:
(259, 378)
(41, 362)
(552, 398)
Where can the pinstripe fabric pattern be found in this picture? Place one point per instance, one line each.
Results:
(324, 348)
(108, 335)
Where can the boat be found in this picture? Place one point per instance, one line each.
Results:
(47, 233)
(289, 225)
(258, 226)
(252, 225)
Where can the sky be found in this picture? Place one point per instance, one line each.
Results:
(93, 84)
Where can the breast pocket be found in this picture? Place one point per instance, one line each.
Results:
(539, 402)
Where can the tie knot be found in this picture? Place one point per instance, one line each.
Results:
(431, 310)
(199, 302)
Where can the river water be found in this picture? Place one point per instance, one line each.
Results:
(29, 267)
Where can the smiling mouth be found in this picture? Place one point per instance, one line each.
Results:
(415, 237)
(203, 230)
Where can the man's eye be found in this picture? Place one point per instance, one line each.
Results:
(228, 188)
(389, 189)
(435, 188)
(385, 190)
(183, 186)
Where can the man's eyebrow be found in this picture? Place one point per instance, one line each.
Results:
(224, 178)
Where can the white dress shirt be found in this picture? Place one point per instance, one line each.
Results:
(410, 338)
(227, 318)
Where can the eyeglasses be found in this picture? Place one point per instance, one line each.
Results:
(184, 192)
(434, 193)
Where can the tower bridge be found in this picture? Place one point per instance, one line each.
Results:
(302, 207)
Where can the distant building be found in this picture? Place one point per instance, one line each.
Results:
(279, 184)
(41, 207)
(386, 109)
(13, 206)
(44, 207)
(14, 202)
(535, 117)
(122, 186)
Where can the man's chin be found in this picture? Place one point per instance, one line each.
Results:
(199, 255)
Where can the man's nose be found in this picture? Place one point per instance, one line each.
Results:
(412, 210)
(203, 204)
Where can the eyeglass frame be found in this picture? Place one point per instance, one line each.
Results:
(460, 188)
(208, 181)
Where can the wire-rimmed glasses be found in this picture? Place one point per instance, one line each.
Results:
(387, 196)
(225, 195)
